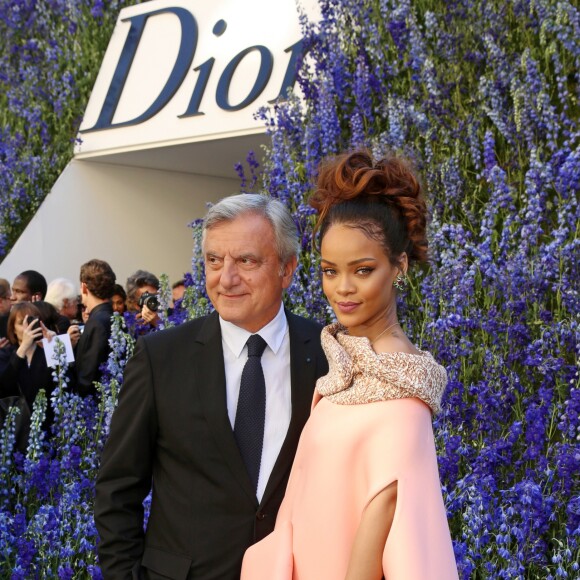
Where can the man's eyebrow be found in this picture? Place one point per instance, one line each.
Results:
(242, 256)
(353, 263)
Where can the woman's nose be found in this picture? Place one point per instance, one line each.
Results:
(345, 285)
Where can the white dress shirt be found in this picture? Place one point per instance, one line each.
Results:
(276, 366)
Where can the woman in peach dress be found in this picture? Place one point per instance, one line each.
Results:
(364, 498)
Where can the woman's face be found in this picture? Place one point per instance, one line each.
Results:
(19, 327)
(118, 303)
(357, 279)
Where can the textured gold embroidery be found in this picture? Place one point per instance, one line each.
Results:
(358, 375)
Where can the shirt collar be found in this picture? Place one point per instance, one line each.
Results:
(273, 333)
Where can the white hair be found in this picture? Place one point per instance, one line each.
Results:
(59, 290)
(273, 210)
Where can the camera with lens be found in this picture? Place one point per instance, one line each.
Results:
(150, 300)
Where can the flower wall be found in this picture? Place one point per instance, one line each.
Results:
(483, 96)
(50, 53)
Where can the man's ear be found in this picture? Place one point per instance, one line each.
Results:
(288, 271)
(84, 289)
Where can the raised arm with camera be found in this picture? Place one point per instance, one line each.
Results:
(149, 303)
(142, 296)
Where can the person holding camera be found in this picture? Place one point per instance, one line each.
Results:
(91, 346)
(149, 303)
(142, 296)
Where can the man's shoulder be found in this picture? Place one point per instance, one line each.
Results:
(302, 323)
(100, 315)
(189, 330)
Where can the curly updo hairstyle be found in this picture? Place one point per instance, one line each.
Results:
(384, 199)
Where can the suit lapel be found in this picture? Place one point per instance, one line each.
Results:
(211, 384)
(302, 377)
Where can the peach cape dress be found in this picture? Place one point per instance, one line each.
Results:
(370, 426)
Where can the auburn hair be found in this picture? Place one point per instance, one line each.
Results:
(382, 198)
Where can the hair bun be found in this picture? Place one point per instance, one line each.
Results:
(391, 181)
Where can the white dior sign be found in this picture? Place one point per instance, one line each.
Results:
(180, 71)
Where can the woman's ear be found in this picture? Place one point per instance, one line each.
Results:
(403, 264)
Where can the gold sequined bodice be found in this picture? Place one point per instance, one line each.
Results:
(358, 375)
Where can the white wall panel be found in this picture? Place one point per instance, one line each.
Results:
(131, 217)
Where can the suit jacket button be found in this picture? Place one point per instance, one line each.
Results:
(261, 516)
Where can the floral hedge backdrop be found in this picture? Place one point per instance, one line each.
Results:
(50, 53)
(483, 97)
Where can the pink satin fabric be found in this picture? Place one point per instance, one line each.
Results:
(348, 454)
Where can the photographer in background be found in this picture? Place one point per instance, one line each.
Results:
(142, 289)
(92, 345)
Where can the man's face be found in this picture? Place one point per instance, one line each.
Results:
(244, 277)
(177, 292)
(69, 307)
(20, 291)
(132, 303)
(146, 288)
(5, 304)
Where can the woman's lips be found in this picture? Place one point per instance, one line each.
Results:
(347, 307)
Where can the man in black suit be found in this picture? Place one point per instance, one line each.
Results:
(176, 425)
(92, 345)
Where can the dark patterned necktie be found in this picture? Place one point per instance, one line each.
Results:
(251, 411)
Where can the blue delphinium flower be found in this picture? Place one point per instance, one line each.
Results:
(482, 98)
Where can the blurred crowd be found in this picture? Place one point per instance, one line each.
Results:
(33, 312)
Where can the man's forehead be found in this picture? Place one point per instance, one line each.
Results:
(145, 288)
(245, 234)
(20, 283)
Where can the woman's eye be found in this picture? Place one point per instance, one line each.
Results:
(364, 271)
(328, 272)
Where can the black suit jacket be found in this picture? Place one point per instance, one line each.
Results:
(92, 349)
(171, 426)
